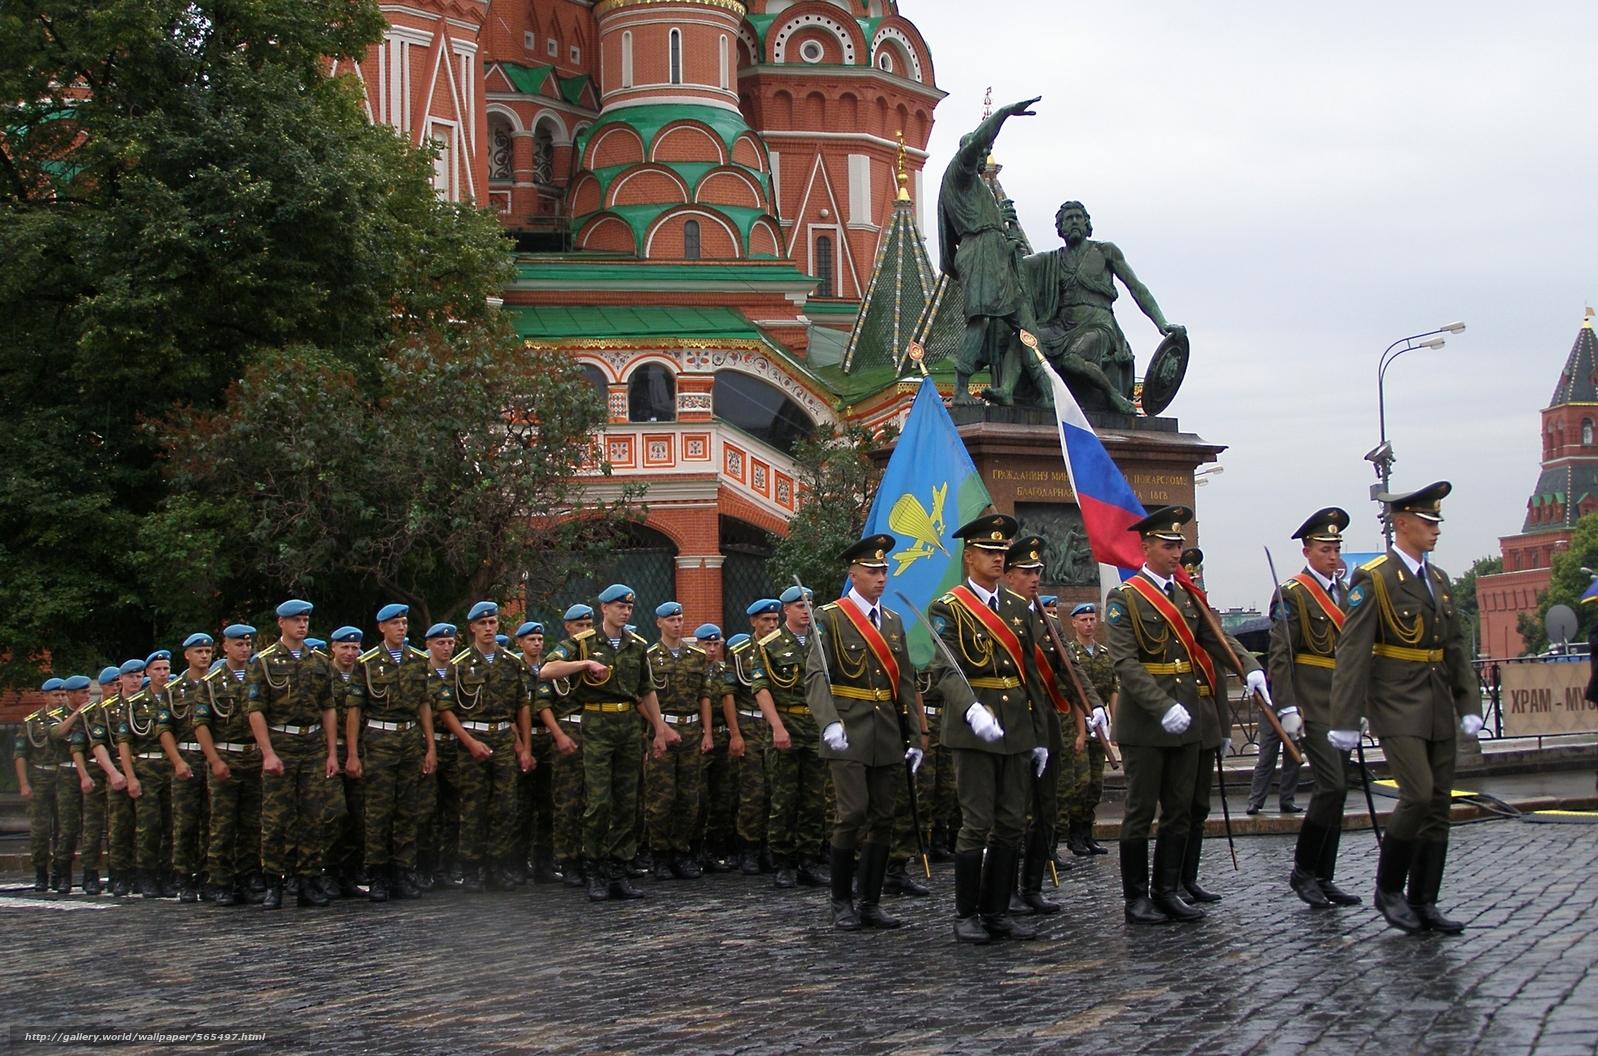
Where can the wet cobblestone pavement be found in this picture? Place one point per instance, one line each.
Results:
(728, 965)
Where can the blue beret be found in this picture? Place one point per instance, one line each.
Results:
(707, 632)
(198, 638)
(501, 639)
(530, 627)
(616, 592)
(578, 612)
(737, 639)
(764, 606)
(480, 610)
(131, 667)
(392, 612)
(238, 630)
(51, 685)
(315, 643)
(109, 674)
(668, 608)
(441, 630)
(348, 634)
(1086, 606)
(1048, 599)
(159, 654)
(295, 607)
(76, 683)
(793, 594)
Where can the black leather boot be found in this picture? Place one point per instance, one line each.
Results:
(402, 883)
(1326, 868)
(1306, 860)
(621, 883)
(189, 888)
(901, 879)
(274, 893)
(224, 894)
(787, 874)
(1076, 841)
(1425, 881)
(967, 890)
(311, 893)
(811, 873)
(1087, 837)
(149, 884)
(61, 882)
(1190, 864)
(1392, 869)
(844, 917)
(686, 867)
(662, 869)
(998, 880)
(1168, 851)
(571, 872)
(166, 883)
(91, 881)
(1033, 867)
(41, 878)
(1140, 909)
(544, 866)
(873, 866)
(748, 859)
(471, 877)
(377, 883)
(598, 880)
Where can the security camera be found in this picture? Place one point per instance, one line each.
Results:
(1382, 452)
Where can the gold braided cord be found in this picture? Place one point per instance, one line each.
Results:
(1322, 644)
(852, 671)
(1147, 640)
(1392, 626)
(983, 657)
(133, 722)
(32, 725)
(776, 679)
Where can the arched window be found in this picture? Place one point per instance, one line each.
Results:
(690, 239)
(627, 59)
(652, 394)
(1586, 432)
(722, 56)
(499, 148)
(824, 267)
(543, 156)
(674, 48)
(596, 377)
(761, 410)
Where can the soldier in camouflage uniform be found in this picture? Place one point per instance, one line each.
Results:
(73, 781)
(795, 823)
(149, 774)
(175, 729)
(718, 802)
(233, 773)
(535, 848)
(109, 784)
(289, 699)
(386, 757)
(611, 681)
(490, 692)
(121, 811)
(561, 716)
(748, 736)
(674, 782)
(343, 816)
(1079, 800)
(34, 756)
(437, 802)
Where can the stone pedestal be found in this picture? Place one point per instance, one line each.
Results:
(1017, 451)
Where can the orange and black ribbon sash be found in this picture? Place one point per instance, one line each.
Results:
(874, 641)
(1050, 683)
(1323, 599)
(995, 626)
(1167, 609)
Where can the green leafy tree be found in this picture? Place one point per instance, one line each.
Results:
(1566, 586)
(840, 472)
(1465, 596)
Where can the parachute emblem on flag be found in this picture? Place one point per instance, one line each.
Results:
(909, 518)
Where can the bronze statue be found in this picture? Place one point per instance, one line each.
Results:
(1072, 290)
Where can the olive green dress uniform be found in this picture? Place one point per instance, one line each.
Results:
(674, 783)
(754, 800)
(1214, 721)
(795, 820)
(295, 696)
(1078, 801)
(233, 848)
(34, 744)
(190, 806)
(717, 830)
(486, 696)
(138, 727)
(393, 693)
(567, 790)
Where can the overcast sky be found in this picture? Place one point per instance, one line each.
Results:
(1300, 185)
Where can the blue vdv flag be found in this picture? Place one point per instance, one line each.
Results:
(929, 489)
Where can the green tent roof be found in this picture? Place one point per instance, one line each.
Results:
(529, 79)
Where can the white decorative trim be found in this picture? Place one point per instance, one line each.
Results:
(897, 34)
(779, 46)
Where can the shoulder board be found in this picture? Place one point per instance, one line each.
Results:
(657, 648)
(741, 646)
(772, 636)
(140, 695)
(831, 605)
(458, 657)
(695, 649)
(411, 650)
(213, 674)
(635, 636)
(323, 655)
(373, 651)
(34, 716)
(269, 650)
(947, 599)
(1292, 584)
(580, 635)
(1010, 593)
(1374, 562)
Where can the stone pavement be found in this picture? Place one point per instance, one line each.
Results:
(727, 965)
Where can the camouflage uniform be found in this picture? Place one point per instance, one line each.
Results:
(568, 796)
(718, 803)
(438, 804)
(1078, 799)
(674, 783)
(537, 807)
(486, 697)
(295, 696)
(190, 807)
(34, 745)
(750, 771)
(138, 727)
(102, 806)
(795, 824)
(342, 808)
(391, 697)
(233, 846)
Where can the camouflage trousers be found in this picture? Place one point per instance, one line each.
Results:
(92, 838)
(718, 803)
(122, 830)
(1081, 792)
(343, 822)
(940, 809)
(69, 817)
(153, 814)
(191, 803)
(488, 798)
(754, 803)
(568, 796)
(390, 784)
(795, 824)
(294, 807)
(540, 792)
(438, 806)
(673, 785)
(610, 782)
(42, 812)
(233, 844)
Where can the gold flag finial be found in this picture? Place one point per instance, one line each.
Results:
(901, 175)
(1587, 320)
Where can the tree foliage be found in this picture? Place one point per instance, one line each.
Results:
(1566, 586)
(840, 477)
(1465, 596)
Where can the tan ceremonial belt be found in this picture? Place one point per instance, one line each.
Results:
(295, 731)
(486, 727)
(1315, 660)
(679, 720)
(794, 709)
(610, 707)
(1174, 667)
(1414, 656)
(1204, 690)
(388, 727)
(1008, 682)
(852, 693)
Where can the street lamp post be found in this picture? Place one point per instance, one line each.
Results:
(1382, 456)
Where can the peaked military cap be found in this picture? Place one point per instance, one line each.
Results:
(1427, 503)
(392, 612)
(238, 630)
(294, 607)
(1085, 606)
(578, 612)
(870, 552)
(109, 674)
(763, 607)
(707, 632)
(159, 654)
(75, 683)
(668, 609)
(131, 667)
(1324, 526)
(617, 592)
(1164, 523)
(1192, 558)
(198, 638)
(441, 630)
(530, 627)
(737, 640)
(481, 610)
(52, 684)
(348, 634)
(316, 643)
(991, 531)
(793, 594)
(1026, 552)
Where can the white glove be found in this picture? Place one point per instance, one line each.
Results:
(1256, 684)
(1040, 759)
(1343, 740)
(1364, 727)
(913, 757)
(1292, 723)
(835, 738)
(1176, 720)
(1471, 725)
(1099, 720)
(983, 724)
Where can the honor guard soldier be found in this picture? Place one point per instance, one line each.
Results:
(561, 715)
(860, 685)
(994, 722)
(749, 737)
(149, 774)
(610, 676)
(289, 700)
(438, 805)
(233, 774)
(674, 782)
(1161, 645)
(489, 691)
(109, 784)
(794, 778)
(535, 805)
(1078, 803)
(1310, 611)
(182, 750)
(1270, 747)
(37, 773)
(1403, 664)
(716, 834)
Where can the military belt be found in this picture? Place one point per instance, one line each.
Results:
(540, 728)
(679, 720)
(150, 755)
(1315, 660)
(742, 714)
(189, 746)
(795, 709)
(66, 766)
(610, 707)
(388, 727)
(1204, 690)
(575, 717)
(295, 731)
(1414, 656)
(44, 766)
(225, 747)
(854, 693)
(1008, 682)
(442, 736)
(486, 727)
(931, 713)
(1174, 667)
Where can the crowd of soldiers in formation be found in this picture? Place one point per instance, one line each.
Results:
(387, 770)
